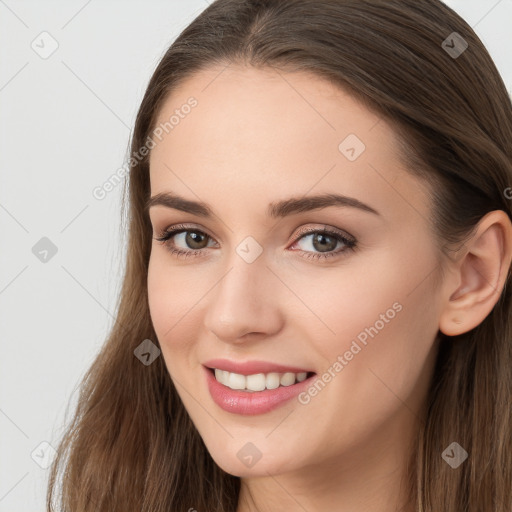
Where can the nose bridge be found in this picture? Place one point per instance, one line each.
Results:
(241, 301)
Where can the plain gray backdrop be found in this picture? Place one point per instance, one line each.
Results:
(72, 75)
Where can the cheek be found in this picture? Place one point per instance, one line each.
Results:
(385, 331)
(381, 291)
(176, 302)
(162, 299)
(337, 304)
(382, 314)
(172, 291)
(169, 300)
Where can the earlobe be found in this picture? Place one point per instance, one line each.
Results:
(481, 275)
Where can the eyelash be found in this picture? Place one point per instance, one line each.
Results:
(166, 235)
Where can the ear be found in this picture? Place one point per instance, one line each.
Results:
(479, 275)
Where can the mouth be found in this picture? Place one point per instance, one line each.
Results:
(258, 381)
(255, 393)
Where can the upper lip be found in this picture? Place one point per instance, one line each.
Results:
(252, 367)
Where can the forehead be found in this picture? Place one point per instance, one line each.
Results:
(254, 131)
(255, 106)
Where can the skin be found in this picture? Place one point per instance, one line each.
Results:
(256, 137)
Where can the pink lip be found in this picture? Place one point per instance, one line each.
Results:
(251, 367)
(250, 403)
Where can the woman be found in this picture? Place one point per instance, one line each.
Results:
(315, 312)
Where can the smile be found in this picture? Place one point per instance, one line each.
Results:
(255, 393)
(258, 381)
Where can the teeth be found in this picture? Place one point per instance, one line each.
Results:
(273, 380)
(288, 379)
(236, 381)
(255, 382)
(302, 376)
(258, 381)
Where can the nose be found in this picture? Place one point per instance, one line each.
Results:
(244, 303)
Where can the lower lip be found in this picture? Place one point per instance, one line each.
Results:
(256, 402)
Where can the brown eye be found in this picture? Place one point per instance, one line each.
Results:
(322, 244)
(195, 239)
(183, 242)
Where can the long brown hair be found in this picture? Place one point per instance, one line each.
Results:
(131, 445)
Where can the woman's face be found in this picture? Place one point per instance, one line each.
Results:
(258, 281)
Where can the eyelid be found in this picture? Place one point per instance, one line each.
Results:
(324, 227)
(300, 232)
(187, 227)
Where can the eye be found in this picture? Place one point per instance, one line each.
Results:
(195, 241)
(194, 238)
(325, 241)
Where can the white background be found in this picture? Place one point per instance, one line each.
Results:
(65, 125)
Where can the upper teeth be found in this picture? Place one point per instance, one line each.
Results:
(258, 381)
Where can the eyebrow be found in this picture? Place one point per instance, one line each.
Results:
(275, 210)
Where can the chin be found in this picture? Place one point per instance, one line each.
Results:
(244, 459)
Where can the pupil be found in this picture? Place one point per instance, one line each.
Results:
(193, 238)
(321, 238)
